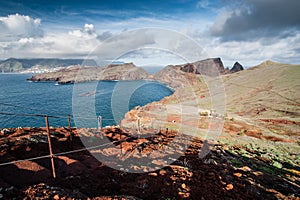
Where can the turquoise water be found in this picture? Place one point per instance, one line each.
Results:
(17, 96)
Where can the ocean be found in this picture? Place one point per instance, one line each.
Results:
(21, 101)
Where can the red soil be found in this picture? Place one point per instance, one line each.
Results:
(81, 176)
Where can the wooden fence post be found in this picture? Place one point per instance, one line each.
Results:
(139, 125)
(121, 131)
(69, 126)
(50, 147)
(99, 122)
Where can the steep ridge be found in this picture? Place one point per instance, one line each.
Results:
(174, 77)
(205, 67)
(178, 76)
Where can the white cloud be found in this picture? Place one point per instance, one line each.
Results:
(14, 27)
(166, 47)
(150, 46)
(203, 4)
(105, 35)
(75, 43)
(251, 53)
(78, 42)
(88, 31)
(26, 40)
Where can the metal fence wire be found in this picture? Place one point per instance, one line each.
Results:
(51, 154)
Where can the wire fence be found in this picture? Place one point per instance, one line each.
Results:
(50, 116)
(56, 120)
(51, 154)
(62, 153)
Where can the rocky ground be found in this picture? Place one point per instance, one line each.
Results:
(227, 171)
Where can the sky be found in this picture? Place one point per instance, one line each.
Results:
(153, 32)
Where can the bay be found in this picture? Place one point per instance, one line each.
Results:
(19, 97)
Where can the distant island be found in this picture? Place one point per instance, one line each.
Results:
(40, 65)
(127, 71)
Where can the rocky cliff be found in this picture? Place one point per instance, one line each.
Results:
(127, 71)
(188, 74)
(175, 78)
(236, 68)
(209, 67)
(169, 76)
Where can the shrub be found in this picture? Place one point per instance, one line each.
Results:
(205, 113)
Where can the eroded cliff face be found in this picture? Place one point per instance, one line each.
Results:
(188, 74)
(174, 77)
(73, 74)
(208, 67)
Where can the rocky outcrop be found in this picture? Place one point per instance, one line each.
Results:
(170, 76)
(236, 68)
(127, 71)
(208, 67)
(175, 78)
(188, 74)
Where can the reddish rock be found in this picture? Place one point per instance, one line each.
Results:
(229, 187)
(209, 67)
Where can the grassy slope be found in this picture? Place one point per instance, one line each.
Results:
(269, 91)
